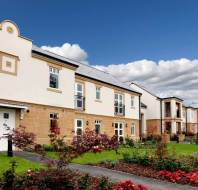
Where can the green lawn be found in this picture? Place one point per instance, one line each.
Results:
(22, 165)
(93, 158)
(183, 149)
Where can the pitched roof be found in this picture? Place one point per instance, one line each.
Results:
(142, 87)
(87, 70)
(49, 54)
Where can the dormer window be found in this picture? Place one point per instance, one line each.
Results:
(54, 78)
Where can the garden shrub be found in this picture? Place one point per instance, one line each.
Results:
(90, 141)
(129, 142)
(9, 177)
(170, 164)
(128, 185)
(63, 180)
(57, 180)
(174, 137)
(181, 177)
(137, 159)
(48, 147)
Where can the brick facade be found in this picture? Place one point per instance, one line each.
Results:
(37, 120)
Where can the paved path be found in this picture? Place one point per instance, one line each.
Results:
(115, 176)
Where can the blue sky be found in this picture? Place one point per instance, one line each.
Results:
(126, 38)
(111, 31)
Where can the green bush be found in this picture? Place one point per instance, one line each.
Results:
(137, 159)
(170, 164)
(129, 142)
(48, 148)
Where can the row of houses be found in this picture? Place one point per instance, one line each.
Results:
(170, 115)
(38, 87)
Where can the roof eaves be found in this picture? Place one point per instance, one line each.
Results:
(79, 74)
(53, 56)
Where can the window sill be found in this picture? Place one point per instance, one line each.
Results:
(100, 101)
(54, 90)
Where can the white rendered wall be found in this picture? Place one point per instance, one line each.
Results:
(131, 112)
(106, 105)
(191, 115)
(152, 103)
(103, 107)
(32, 80)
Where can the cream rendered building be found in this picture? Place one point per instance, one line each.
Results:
(38, 87)
(165, 114)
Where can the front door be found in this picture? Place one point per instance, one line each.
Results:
(7, 123)
(119, 131)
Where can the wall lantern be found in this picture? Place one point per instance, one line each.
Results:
(87, 123)
(126, 125)
(112, 124)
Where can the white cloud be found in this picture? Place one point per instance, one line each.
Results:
(72, 51)
(165, 78)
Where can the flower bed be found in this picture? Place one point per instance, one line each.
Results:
(62, 180)
(179, 176)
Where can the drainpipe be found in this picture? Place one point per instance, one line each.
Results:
(186, 120)
(140, 125)
(161, 115)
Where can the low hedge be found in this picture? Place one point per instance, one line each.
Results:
(184, 163)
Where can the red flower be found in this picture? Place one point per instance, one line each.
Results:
(191, 177)
(128, 185)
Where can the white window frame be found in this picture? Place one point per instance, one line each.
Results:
(132, 101)
(133, 126)
(56, 72)
(78, 92)
(98, 93)
(119, 99)
(79, 95)
(119, 129)
(77, 127)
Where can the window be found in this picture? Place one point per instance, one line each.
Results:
(78, 126)
(133, 129)
(53, 116)
(98, 93)
(118, 104)
(167, 109)
(6, 115)
(97, 126)
(118, 129)
(54, 77)
(79, 98)
(8, 64)
(132, 101)
(54, 122)
(178, 115)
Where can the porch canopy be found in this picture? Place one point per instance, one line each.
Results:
(4, 105)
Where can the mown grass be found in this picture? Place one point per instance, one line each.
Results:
(93, 158)
(183, 149)
(22, 164)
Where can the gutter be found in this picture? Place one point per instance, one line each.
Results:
(186, 120)
(140, 124)
(161, 115)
